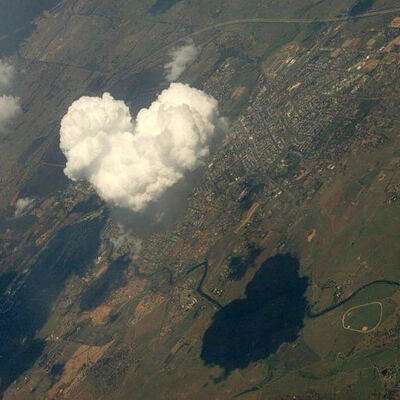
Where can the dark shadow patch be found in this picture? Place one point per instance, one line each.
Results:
(162, 214)
(93, 203)
(102, 287)
(360, 7)
(147, 81)
(5, 280)
(49, 176)
(365, 107)
(162, 6)
(56, 370)
(23, 223)
(25, 306)
(272, 313)
(16, 21)
(139, 90)
(35, 145)
(97, 85)
(239, 265)
(29, 350)
(249, 193)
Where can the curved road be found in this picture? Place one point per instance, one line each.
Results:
(270, 21)
(293, 20)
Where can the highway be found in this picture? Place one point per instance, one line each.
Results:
(245, 21)
(343, 18)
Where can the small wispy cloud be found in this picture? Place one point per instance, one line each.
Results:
(22, 206)
(181, 58)
(9, 104)
(7, 73)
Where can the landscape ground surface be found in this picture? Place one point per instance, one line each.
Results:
(279, 278)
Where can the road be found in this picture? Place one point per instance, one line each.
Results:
(246, 21)
(343, 18)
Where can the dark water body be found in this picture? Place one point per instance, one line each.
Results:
(25, 310)
(162, 6)
(252, 328)
(16, 21)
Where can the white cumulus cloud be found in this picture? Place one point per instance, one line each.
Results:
(181, 58)
(9, 105)
(132, 163)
